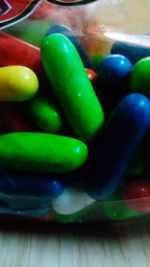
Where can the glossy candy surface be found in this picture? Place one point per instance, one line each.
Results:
(132, 51)
(123, 132)
(140, 77)
(22, 83)
(70, 82)
(39, 152)
(44, 114)
(33, 184)
(66, 31)
(114, 70)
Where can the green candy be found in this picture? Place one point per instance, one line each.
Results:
(114, 208)
(70, 82)
(140, 77)
(41, 152)
(44, 114)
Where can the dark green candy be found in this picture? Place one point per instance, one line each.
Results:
(45, 114)
(70, 82)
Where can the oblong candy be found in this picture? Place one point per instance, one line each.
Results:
(44, 114)
(41, 152)
(70, 82)
(66, 31)
(17, 83)
(124, 131)
(132, 51)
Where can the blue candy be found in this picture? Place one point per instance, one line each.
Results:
(114, 70)
(125, 129)
(27, 194)
(30, 184)
(132, 51)
(70, 35)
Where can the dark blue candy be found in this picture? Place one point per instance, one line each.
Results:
(30, 184)
(133, 52)
(70, 35)
(114, 70)
(124, 131)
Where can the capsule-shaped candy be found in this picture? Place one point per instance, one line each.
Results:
(13, 51)
(140, 77)
(41, 152)
(70, 82)
(124, 131)
(44, 114)
(66, 31)
(17, 83)
(33, 184)
(132, 51)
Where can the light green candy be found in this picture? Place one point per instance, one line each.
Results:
(70, 82)
(44, 114)
(41, 152)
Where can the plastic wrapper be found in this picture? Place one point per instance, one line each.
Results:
(75, 110)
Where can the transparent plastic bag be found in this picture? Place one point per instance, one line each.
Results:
(79, 156)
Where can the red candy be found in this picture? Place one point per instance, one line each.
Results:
(136, 194)
(16, 52)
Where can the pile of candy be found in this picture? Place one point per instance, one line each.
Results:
(74, 140)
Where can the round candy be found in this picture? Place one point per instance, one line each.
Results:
(140, 77)
(41, 152)
(17, 83)
(114, 70)
(70, 82)
(45, 114)
(125, 129)
(136, 195)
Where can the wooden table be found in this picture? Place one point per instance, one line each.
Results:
(26, 244)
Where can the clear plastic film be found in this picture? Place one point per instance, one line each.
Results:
(75, 110)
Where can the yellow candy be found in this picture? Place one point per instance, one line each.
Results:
(17, 83)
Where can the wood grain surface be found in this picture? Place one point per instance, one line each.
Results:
(26, 244)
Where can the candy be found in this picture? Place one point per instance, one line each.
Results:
(92, 75)
(124, 131)
(132, 51)
(38, 152)
(32, 184)
(136, 195)
(66, 31)
(140, 77)
(72, 86)
(44, 114)
(16, 52)
(114, 70)
(21, 85)
(115, 208)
